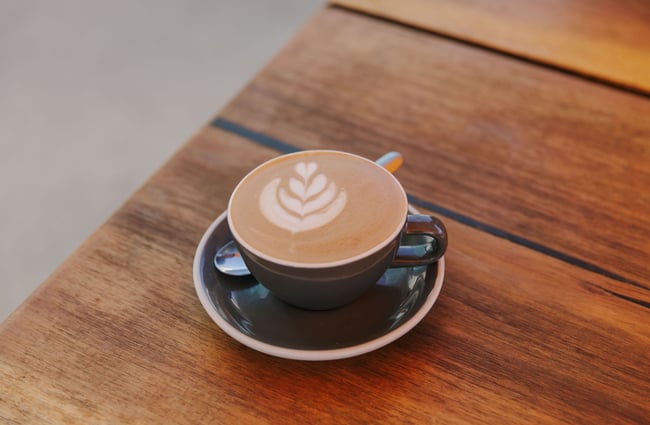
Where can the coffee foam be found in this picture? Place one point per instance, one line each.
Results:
(310, 201)
(316, 207)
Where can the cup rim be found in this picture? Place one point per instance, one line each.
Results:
(321, 265)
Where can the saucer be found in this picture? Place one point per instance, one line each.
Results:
(249, 313)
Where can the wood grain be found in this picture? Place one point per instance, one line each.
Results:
(606, 39)
(117, 334)
(559, 161)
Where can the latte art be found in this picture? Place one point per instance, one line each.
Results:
(316, 207)
(309, 203)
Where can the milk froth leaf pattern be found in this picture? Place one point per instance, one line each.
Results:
(310, 201)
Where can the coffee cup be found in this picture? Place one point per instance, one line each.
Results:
(318, 228)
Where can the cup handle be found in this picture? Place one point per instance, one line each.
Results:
(424, 241)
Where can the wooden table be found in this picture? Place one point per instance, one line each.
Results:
(537, 160)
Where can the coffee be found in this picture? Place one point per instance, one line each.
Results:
(317, 207)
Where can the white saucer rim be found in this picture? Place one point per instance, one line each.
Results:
(298, 354)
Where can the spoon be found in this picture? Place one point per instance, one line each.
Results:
(228, 260)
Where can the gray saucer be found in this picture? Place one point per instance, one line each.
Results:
(246, 311)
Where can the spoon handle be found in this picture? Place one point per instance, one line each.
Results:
(391, 161)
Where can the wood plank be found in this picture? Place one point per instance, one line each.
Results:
(113, 335)
(117, 334)
(558, 161)
(606, 39)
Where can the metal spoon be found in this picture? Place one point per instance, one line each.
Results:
(228, 260)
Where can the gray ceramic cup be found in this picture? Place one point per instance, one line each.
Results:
(417, 240)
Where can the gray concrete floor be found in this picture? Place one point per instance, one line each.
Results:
(95, 95)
